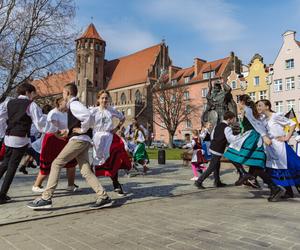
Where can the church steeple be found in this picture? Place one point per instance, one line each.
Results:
(90, 53)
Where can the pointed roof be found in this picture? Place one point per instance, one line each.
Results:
(91, 32)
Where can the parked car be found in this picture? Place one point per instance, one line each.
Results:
(178, 143)
(158, 144)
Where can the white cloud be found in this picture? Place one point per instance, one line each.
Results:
(125, 37)
(212, 19)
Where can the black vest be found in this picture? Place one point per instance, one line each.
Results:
(18, 123)
(246, 124)
(73, 122)
(219, 141)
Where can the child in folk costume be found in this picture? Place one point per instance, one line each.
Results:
(19, 113)
(140, 154)
(198, 159)
(283, 164)
(80, 140)
(205, 137)
(109, 154)
(51, 144)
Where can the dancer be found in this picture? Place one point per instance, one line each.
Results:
(205, 137)
(20, 113)
(198, 159)
(109, 153)
(80, 134)
(283, 164)
(221, 134)
(51, 144)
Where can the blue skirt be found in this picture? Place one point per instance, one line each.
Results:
(291, 175)
(250, 154)
(205, 147)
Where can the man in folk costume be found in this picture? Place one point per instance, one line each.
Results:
(80, 134)
(19, 113)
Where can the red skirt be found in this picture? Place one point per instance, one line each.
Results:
(51, 147)
(2, 151)
(118, 159)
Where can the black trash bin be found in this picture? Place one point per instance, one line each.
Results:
(161, 156)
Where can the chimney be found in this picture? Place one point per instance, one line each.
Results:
(198, 63)
(289, 35)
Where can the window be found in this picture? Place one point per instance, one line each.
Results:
(256, 81)
(188, 109)
(123, 98)
(88, 59)
(138, 96)
(233, 85)
(186, 95)
(173, 82)
(204, 92)
(204, 106)
(97, 59)
(278, 85)
(188, 123)
(299, 82)
(161, 99)
(289, 64)
(186, 79)
(290, 104)
(129, 111)
(252, 95)
(262, 94)
(279, 106)
(290, 83)
(78, 70)
(209, 74)
(173, 98)
(96, 71)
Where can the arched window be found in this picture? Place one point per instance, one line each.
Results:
(138, 96)
(123, 98)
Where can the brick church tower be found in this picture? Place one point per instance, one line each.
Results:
(90, 53)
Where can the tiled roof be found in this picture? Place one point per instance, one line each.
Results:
(298, 43)
(54, 83)
(91, 32)
(131, 69)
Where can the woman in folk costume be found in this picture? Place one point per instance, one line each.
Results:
(140, 154)
(109, 154)
(205, 137)
(248, 149)
(283, 164)
(52, 144)
(198, 159)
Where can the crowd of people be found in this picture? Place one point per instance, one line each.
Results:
(61, 136)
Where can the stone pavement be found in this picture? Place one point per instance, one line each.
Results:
(162, 211)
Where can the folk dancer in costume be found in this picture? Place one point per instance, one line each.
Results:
(221, 135)
(80, 134)
(140, 154)
(283, 164)
(51, 144)
(205, 137)
(19, 113)
(198, 158)
(248, 149)
(109, 154)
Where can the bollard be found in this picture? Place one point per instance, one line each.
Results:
(161, 156)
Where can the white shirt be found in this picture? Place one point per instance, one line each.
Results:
(3, 118)
(37, 117)
(83, 115)
(56, 120)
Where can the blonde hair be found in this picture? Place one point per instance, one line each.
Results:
(195, 132)
(103, 91)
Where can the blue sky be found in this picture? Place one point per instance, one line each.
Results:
(208, 29)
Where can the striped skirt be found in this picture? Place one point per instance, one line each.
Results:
(250, 154)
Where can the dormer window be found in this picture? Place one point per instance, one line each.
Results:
(209, 74)
(186, 79)
(289, 64)
(174, 82)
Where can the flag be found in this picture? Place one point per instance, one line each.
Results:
(292, 116)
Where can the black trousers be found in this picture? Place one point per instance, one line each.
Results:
(214, 166)
(10, 165)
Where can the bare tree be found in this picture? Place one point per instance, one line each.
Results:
(36, 36)
(171, 106)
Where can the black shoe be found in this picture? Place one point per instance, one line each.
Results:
(198, 185)
(31, 165)
(100, 203)
(219, 184)
(119, 190)
(39, 204)
(242, 179)
(23, 169)
(276, 193)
